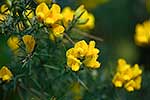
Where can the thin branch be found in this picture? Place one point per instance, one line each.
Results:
(51, 67)
(69, 39)
(88, 35)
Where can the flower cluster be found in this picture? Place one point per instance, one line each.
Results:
(142, 36)
(83, 53)
(50, 17)
(127, 76)
(5, 74)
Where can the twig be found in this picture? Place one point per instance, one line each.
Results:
(88, 35)
(51, 67)
(69, 38)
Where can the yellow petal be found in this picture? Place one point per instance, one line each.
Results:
(29, 42)
(5, 74)
(129, 86)
(42, 11)
(138, 81)
(54, 15)
(58, 30)
(73, 62)
(13, 43)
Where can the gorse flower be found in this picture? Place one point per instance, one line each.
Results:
(128, 76)
(51, 17)
(142, 36)
(82, 53)
(85, 20)
(57, 30)
(48, 16)
(13, 43)
(29, 42)
(5, 74)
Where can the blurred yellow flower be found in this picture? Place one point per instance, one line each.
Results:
(117, 80)
(5, 74)
(4, 12)
(128, 76)
(142, 35)
(13, 43)
(82, 51)
(130, 85)
(85, 20)
(48, 16)
(29, 42)
(76, 91)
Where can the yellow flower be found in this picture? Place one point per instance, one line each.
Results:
(117, 80)
(91, 49)
(73, 62)
(53, 15)
(81, 48)
(133, 84)
(68, 14)
(129, 77)
(80, 52)
(3, 12)
(13, 43)
(136, 71)
(122, 65)
(48, 16)
(57, 30)
(5, 74)
(85, 20)
(29, 42)
(142, 36)
(42, 11)
(130, 85)
(76, 91)
(138, 81)
(91, 61)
